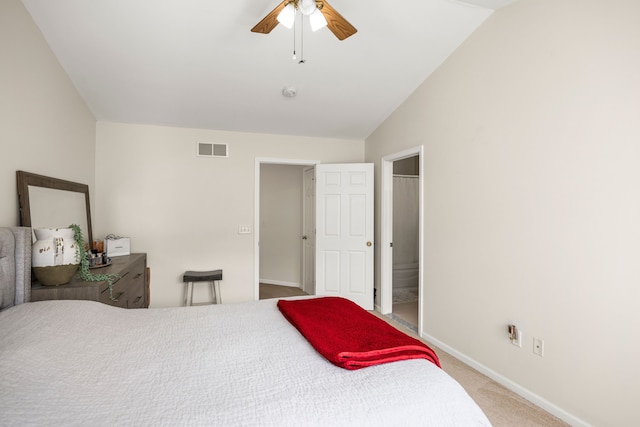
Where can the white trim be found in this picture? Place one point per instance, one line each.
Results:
(307, 255)
(516, 388)
(386, 230)
(256, 211)
(386, 236)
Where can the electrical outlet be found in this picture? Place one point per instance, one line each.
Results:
(244, 229)
(538, 346)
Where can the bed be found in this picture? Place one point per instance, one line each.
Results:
(86, 363)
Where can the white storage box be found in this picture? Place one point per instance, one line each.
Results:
(117, 247)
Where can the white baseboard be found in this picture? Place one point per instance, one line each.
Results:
(280, 283)
(516, 388)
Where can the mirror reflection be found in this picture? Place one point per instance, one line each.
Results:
(51, 208)
(47, 202)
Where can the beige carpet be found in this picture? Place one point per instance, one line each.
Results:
(503, 407)
(276, 291)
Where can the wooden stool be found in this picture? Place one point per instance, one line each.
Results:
(191, 277)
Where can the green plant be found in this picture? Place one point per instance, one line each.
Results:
(83, 271)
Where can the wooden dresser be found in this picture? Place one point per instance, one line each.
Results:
(130, 290)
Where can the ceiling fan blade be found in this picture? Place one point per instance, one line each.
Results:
(339, 26)
(270, 21)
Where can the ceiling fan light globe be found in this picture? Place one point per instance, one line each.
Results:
(287, 16)
(307, 7)
(317, 20)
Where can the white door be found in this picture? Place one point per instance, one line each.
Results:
(344, 232)
(309, 232)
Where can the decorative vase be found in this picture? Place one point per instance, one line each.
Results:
(54, 255)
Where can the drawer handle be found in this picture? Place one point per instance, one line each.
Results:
(118, 296)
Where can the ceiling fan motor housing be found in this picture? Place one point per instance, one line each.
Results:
(306, 6)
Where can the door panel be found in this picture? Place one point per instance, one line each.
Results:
(331, 270)
(332, 216)
(344, 234)
(357, 269)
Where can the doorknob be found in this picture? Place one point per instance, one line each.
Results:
(304, 237)
(369, 243)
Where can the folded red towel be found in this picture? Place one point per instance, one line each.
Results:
(349, 336)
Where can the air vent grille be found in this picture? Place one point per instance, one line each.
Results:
(210, 149)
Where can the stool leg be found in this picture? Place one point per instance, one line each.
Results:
(191, 283)
(218, 296)
(213, 295)
(186, 292)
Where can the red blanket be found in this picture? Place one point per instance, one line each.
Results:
(349, 336)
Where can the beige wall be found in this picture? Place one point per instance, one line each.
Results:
(183, 210)
(532, 201)
(45, 127)
(281, 224)
(531, 187)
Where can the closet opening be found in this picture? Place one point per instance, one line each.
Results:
(284, 260)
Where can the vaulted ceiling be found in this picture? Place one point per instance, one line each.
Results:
(195, 63)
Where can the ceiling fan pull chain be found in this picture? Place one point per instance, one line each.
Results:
(302, 61)
(294, 39)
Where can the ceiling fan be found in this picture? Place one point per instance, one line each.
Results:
(320, 14)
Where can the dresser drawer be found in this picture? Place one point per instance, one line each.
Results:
(136, 302)
(119, 293)
(136, 285)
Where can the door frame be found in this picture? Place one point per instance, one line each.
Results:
(259, 161)
(386, 230)
(309, 230)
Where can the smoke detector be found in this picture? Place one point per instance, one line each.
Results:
(289, 92)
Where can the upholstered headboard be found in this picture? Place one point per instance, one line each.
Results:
(15, 266)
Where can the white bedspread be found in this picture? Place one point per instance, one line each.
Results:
(85, 363)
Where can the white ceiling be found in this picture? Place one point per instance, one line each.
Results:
(195, 63)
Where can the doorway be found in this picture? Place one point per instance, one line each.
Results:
(279, 225)
(401, 251)
(343, 229)
(405, 266)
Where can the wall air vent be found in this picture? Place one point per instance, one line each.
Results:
(210, 149)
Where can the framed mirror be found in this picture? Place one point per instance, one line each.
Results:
(47, 202)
